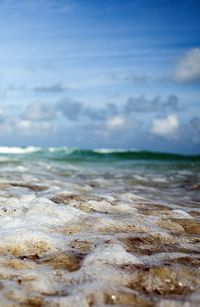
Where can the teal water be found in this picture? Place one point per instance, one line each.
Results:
(63, 153)
(175, 174)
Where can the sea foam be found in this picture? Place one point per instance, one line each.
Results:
(97, 231)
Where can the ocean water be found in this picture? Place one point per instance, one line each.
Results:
(98, 228)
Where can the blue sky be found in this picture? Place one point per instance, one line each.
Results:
(107, 73)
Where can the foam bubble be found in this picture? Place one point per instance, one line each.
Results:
(180, 214)
(113, 253)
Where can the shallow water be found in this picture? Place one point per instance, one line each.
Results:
(95, 228)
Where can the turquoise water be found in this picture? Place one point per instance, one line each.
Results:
(97, 155)
(128, 170)
(64, 153)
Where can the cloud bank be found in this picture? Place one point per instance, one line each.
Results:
(74, 123)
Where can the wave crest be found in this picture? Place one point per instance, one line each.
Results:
(65, 153)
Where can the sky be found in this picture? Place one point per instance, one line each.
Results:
(100, 74)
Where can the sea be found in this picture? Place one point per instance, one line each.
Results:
(99, 227)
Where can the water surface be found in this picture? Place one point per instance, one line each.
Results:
(99, 227)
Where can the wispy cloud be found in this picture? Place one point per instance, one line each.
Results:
(35, 5)
(52, 88)
(188, 67)
(130, 76)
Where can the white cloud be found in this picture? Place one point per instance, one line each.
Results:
(165, 126)
(116, 122)
(28, 127)
(23, 124)
(188, 67)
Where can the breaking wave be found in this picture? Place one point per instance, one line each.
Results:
(65, 153)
